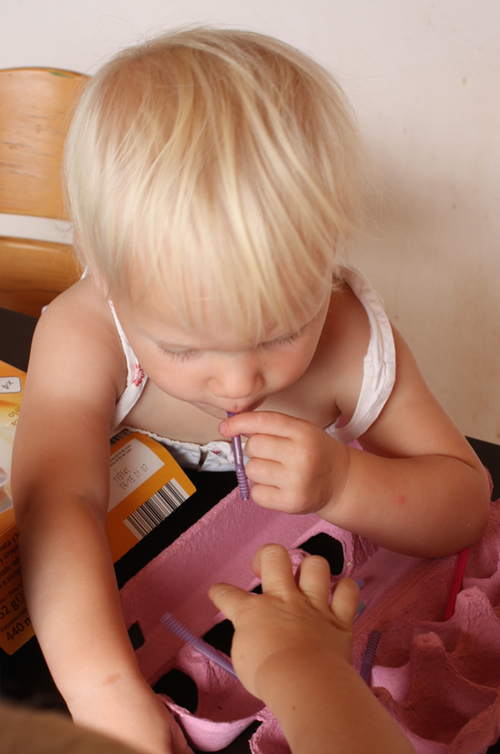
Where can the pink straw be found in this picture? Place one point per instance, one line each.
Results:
(457, 582)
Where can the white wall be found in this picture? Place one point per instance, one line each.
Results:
(424, 79)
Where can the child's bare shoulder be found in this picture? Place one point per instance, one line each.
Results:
(75, 373)
(81, 308)
(76, 343)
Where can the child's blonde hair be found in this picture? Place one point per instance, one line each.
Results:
(219, 164)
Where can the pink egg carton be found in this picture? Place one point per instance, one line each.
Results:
(439, 679)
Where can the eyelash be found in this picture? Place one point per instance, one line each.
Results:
(283, 341)
(173, 356)
(183, 356)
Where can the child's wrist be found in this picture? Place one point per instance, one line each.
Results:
(296, 690)
(130, 711)
(291, 669)
(340, 468)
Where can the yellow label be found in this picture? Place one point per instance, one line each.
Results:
(11, 389)
(146, 484)
(15, 625)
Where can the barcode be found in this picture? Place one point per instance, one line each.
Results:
(119, 435)
(156, 509)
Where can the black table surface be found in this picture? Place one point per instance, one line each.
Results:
(24, 675)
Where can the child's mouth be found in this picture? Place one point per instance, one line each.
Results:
(233, 408)
(239, 408)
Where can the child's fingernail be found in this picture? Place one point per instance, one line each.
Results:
(361, 607)
(222, 427)
(360, 583)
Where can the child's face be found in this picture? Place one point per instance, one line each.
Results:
(216, 371)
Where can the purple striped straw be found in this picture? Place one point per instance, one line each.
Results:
(239, 465)
(184, 634)
(369, 655)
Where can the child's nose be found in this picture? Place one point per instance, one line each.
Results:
(238, 376)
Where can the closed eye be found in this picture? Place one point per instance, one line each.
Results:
(284, 341)
(179, 355)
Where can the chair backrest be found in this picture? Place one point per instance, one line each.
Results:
(35, 111)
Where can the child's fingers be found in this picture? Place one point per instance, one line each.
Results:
(256, 566)
(266, 472)
(268, 446)
(275, 568)
(314, 580)
(345, 601)
(228, 599)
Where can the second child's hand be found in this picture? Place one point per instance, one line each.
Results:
(291, 617)
(293, 650)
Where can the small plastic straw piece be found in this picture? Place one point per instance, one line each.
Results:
(239, 465)
(184, 634)
(360, 608)
(369, 655)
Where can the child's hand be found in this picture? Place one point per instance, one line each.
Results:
(295, 466)
(290, 621)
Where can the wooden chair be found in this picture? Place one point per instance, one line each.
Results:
(35, 112)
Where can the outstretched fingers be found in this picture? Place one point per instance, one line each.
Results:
(345, 601)
(314, 580)
(230, 600)
(272, 564)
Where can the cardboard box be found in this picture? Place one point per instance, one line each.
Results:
(15, 624)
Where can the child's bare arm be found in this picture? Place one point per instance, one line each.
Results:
(60, 491)
(293, 651)
(430, 484)
(417, 487)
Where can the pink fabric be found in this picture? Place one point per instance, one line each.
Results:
(440, 680)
